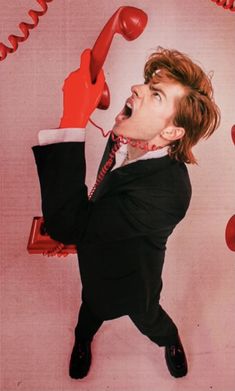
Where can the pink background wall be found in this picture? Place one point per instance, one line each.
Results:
(40, 296)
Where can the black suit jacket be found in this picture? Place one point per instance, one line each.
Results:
(121, 232)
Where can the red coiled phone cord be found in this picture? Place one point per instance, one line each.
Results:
(24, 27)
(226, 4)
(118, 141)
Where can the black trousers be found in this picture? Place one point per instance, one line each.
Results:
(155, 324)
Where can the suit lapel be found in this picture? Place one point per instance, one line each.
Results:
(117, 179)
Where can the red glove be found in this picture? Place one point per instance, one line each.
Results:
(81, 96)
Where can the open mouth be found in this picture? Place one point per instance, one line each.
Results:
(125, 113)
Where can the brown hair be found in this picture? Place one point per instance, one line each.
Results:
(196, 111)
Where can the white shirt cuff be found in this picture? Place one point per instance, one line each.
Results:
(52, 136)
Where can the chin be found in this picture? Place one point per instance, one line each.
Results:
(126, 129)
(120, 130)
(115, 130)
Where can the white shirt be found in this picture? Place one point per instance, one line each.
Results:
(52, 136)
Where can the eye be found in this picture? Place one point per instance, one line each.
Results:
(157, 95)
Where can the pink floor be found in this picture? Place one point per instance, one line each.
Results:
(39, 313)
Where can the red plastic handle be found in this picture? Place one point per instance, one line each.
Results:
(233, 134)
(230, 227)
(127, 21)
(230, 233)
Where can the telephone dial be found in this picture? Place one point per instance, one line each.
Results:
(130, 23)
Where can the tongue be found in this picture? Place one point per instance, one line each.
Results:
(120, 117)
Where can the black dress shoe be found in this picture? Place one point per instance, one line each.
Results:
(80, 360)
(176, 359)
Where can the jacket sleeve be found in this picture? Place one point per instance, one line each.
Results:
(61, 169)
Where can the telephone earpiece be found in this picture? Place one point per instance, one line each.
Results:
(127, 21)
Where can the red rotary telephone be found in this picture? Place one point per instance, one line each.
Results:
(130, 23)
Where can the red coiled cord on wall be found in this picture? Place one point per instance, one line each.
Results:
(226, 4)
(25, 27)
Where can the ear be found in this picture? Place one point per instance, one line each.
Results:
(172, 133)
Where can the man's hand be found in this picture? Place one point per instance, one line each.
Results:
(81, 96)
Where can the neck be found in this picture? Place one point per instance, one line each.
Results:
(134, 153)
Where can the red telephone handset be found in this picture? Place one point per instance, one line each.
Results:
(127, 21)
(130, 23)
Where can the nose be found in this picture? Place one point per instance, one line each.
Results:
(138, 90)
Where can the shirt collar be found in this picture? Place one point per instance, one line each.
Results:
(122, 153)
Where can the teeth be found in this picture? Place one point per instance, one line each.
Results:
(129, 105)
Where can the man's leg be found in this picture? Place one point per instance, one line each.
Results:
(157, 325)
(160, 328)
(88, 324)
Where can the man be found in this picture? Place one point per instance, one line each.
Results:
(121, 232)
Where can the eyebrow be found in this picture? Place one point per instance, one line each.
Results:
(158, 90)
